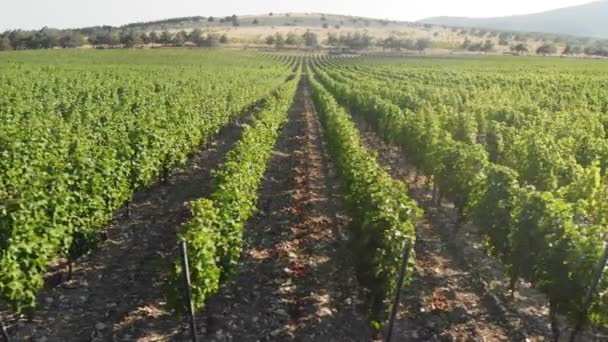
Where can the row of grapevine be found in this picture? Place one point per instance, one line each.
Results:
(536, 160)
(81, 131)
(551, 239)
(383, 216)
(557, 157)
(214, 233)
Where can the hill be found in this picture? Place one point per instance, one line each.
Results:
(289, 30)
(590, 20)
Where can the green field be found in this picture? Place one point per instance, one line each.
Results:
(516, 147)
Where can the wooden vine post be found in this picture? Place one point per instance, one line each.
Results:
(402, 272)
(188, 290)
(4, 331)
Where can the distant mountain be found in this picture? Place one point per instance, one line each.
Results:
(589, 20)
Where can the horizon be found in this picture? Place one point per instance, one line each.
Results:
(19, 15)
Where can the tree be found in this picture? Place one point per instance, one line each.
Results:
(590, 51)
(72, 39)
(255, 21)
(18, 39)
(572, 50)
(180, 38)
(235, 20)
(293, 39)
(270, 14)
(597, 50)
(145, 38)
(28, 41)
(310, 39)
(475, 47)
(546, 49)
(153, 37)
(105, 38)
(356, 41)
(196, 37)
(576, 50)
(488, 46)
(130, 39)
(211, 19)
(325, 25)
(270, 40)
(47, 38)
(395, 43)
(279, 40)
(5, 44)
(520, 48)
(165, 37)
(391, 42)
(408, 44)
(504, 36)
(332, 39)
(423, 44)
(224, 39)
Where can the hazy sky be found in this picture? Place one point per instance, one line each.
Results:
(31, 14)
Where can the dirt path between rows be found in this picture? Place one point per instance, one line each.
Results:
(458, 293)
(117, 292)
(295, 281)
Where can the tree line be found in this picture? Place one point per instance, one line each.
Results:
(599, 48)
(350, 40)
(106, 36)
(132, 35)
(569, 50)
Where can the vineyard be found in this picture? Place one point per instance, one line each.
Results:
(320, 197)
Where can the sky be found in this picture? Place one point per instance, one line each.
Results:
(34, 14)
